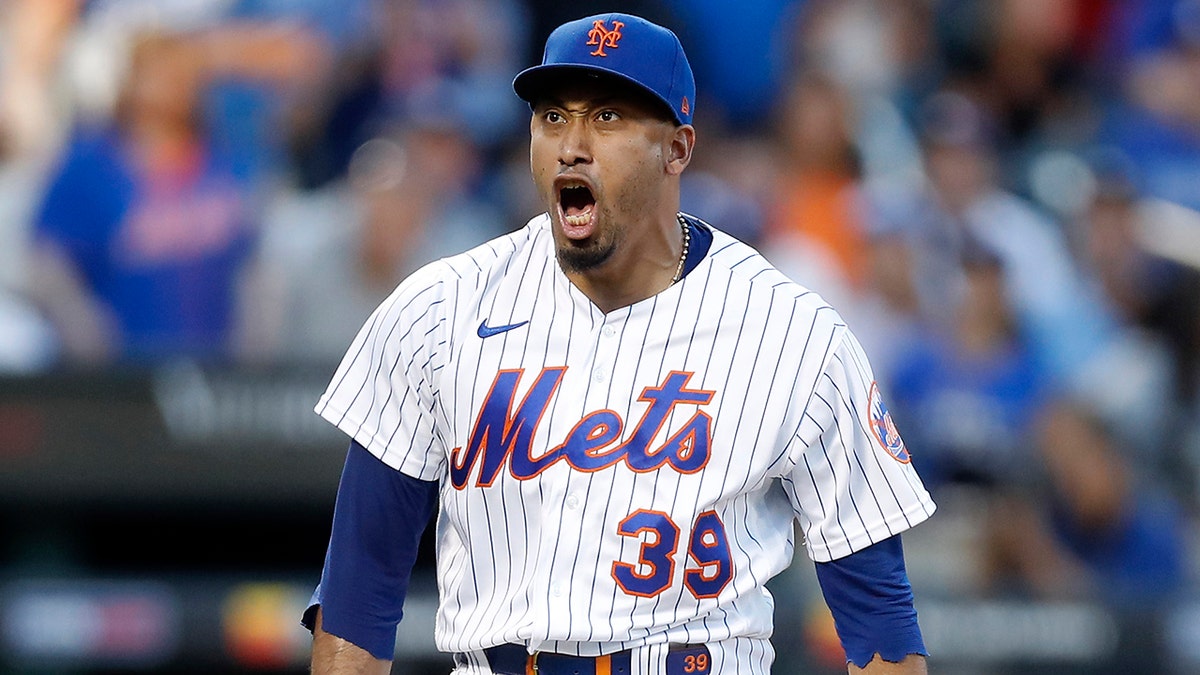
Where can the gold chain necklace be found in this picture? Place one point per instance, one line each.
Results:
(687, 239)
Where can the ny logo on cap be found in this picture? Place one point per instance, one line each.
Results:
(601, 37)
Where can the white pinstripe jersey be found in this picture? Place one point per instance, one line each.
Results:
(615, 480)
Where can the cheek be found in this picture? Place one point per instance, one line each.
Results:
(639, 153)
(541, 167)
(639, 177)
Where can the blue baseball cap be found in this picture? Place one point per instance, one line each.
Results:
(627, 47)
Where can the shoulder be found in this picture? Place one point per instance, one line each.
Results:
(790, 325)
(747, 272)
(90, 154)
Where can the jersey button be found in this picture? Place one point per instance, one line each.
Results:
(598, 375)
(608, 331)
(572, 502)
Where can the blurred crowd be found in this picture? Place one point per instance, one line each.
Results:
(1002, 197)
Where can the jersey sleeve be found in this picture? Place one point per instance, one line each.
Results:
(852, 483)
(378, 521)
(382, 393)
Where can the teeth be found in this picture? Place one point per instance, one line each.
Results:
(578, 220)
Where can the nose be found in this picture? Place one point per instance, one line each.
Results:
(575, 146)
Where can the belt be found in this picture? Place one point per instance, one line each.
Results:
(514, 660)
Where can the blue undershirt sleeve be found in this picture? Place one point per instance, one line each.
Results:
(378, 519)
(871, 599)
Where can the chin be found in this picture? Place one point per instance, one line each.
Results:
(583, 257)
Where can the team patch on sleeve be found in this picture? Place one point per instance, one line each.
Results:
(884, 428)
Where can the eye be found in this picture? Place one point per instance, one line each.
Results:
(553, 117)
(608, 116)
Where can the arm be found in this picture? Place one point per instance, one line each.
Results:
(378, 520)
(333, 655)
(86, 326)
(35, 35)
(913, 664)
(872, 604)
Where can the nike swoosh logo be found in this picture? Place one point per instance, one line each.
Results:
(486, 331)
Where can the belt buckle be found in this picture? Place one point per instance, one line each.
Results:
(533, 664)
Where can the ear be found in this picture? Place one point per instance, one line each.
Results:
(679, 149)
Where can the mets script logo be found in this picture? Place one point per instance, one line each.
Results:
(500, 433)
(601, 37)
(885, 429)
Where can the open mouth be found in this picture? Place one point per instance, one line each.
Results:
(577, 204)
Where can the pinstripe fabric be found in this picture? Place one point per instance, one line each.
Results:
(531, 557)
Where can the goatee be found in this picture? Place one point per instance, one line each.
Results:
(583, 258)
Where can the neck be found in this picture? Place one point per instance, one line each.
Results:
(643, 269)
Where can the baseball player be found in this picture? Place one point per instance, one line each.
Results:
(619, 412)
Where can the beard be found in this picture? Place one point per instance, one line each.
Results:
(585, 255)
(583, 258)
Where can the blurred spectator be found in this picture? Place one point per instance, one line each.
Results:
(1030, 65)
(870, 47)
(964, 200)
(1156, 119)
(1108, 246)
(816, 196)
(463, 52)
(1153, 298)
(330, 256)
(820, 227)
(141, 236)
(26, 338)
(32, 35)
(271, 58)
(968, 395)
(1099, 530)
(880, 55)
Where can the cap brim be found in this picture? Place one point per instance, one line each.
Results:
(532, 82)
